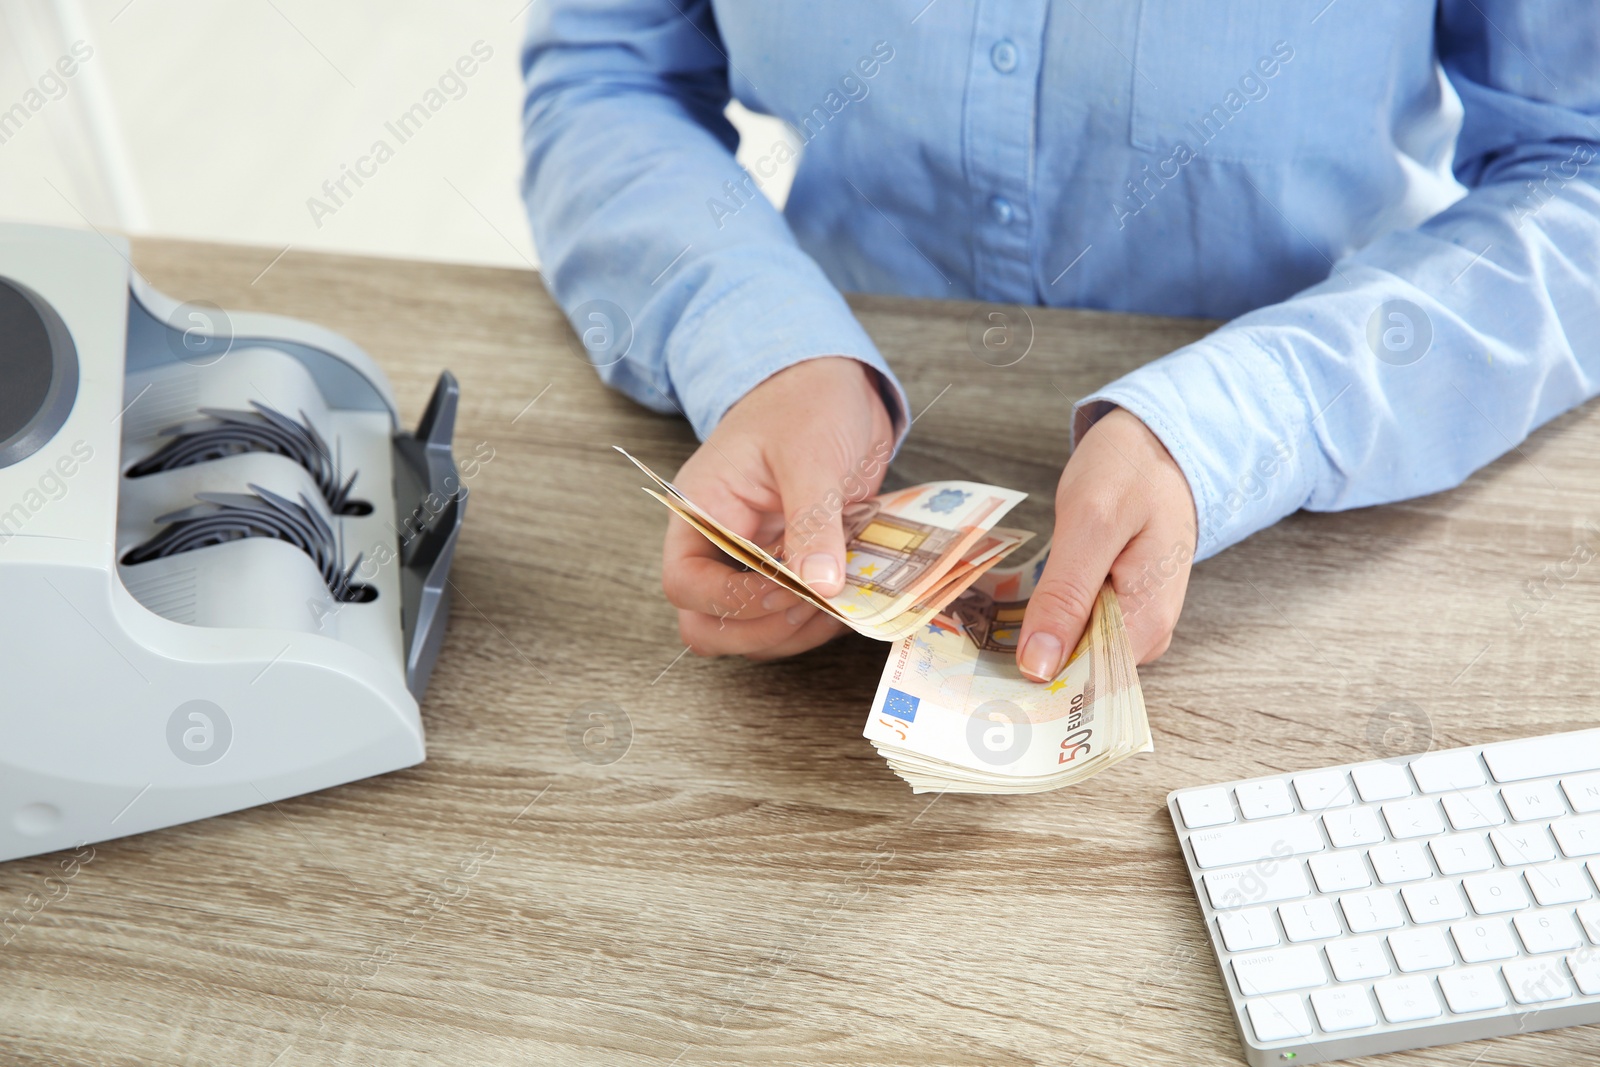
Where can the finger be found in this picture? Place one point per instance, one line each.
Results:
(709, 635)
(813, 539)
(720, 590)
(774, 599)
(821, 629)
(1158, 651)
(696, 575)
(1151, 578)
(1089, 536)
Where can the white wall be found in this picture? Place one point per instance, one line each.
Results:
(220, 119)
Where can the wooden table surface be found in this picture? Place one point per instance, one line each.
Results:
(748, 883)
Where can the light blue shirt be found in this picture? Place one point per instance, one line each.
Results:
(1394, 201)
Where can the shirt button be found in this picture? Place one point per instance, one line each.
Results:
(1001, 209)
(1004, 56)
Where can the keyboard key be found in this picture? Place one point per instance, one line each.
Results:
(1533, 800)
(1205, 807)
(1253, 841)
(1279, 971)
(1444, 772)
(1585, 968)
(1405, 1000)
(1321, 790)
(1548, 931)
(1589, 916)
(1537, 981)
(1366, 912)
(1484, 940)
(1558, 883)
(1261, 800)
(1279, 1018)
(1248, 929)
(1353, 826)
(1541, 757)
(1417, 817)
(1420, 948)
(1355, 958)
(1470, 989)
(1381, 781)
(1523, 844)
(1337, 872)
(1461, 854)
(1578, 835)
(1473, 810)
(1404, 862)
(1346, 1008)
(1433, 902)
(1260, 883)
(1495, 892)
(1310, 920)
(1583, 792)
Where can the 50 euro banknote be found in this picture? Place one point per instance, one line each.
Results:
(953, 712)
(908, 553)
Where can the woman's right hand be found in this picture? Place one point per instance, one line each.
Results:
(778, 468)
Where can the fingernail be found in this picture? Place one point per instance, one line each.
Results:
(797, 614)
(820, 568)
(773, 600)
(1041, 657)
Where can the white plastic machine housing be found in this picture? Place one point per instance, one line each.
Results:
(137, 696)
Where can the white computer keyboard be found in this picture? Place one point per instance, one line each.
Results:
(1407, 902)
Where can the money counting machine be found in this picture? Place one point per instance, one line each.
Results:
(222, 562)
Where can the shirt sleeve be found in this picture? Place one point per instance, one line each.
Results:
(653, 239)
(1431, 351)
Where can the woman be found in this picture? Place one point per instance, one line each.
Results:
(1394, 201)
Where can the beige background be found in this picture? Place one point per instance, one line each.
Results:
(219, 120)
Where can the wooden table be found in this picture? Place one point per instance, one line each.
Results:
(749, 884)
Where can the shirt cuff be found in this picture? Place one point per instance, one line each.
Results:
(1230, 413)
(735, 344)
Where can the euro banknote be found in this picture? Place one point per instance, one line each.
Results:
(953, 713)
(908, 553)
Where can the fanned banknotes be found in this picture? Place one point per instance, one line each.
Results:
(908, 554)
(953, 712)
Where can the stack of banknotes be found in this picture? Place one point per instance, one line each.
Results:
(952, 712)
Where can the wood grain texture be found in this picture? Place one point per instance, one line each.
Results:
(749, 883)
